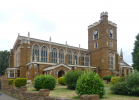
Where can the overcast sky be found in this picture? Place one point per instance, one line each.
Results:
(67, 20)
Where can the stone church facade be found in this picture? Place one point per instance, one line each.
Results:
(31, 57)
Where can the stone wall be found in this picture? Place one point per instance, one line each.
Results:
(3, 77)
(43, 94)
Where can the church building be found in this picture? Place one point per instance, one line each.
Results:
(30, 57)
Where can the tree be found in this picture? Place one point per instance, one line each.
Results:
(135, 54)
(4, 61)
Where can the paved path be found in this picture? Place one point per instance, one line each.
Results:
(6, 97)
(107, 87)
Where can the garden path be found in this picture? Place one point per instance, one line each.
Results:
(6, 97)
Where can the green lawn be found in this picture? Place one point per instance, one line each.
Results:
(63, 92)
(108, 85)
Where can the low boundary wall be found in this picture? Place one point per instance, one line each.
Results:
(43, 94)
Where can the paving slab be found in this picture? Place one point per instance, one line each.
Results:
(6, 97)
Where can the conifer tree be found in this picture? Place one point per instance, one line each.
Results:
(135, 54)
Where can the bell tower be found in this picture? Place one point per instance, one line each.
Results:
(102, 44)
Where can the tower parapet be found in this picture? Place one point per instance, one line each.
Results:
(103, 14)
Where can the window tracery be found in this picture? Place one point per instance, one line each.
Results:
(82, 59)
(54, 55)
(61, 56)
(35, 52)
(70, 57)
(87, 60)
(111, 60)
(75, 58)
(44, 54)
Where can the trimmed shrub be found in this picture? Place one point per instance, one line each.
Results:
(90, 83)
(115, 79)
(61, 81)
(71, 78)
(108, 78)
(122, 79)
(20, 82)
(11, 81)
(44, 82)
(120, 88)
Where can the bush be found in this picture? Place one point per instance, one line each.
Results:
(115, 79)
(108, 78)
(128, 87)
(20, 82)
(61, 80)
(11, 81)
(44, 82)
(122, 79)
(120, 88)
(71, 78)
(90, 83)
(133, 83)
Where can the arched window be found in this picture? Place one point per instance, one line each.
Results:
(70, 57)
(44, 54)
(111, 44)
(111, 33)
(95, 34)
(111, 60)
(87, 60)
(61, 56)
(95, 45)
(35, 51)
(54, 55)
(82, 59)
(75, 58)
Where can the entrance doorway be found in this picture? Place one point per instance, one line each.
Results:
(61, 73)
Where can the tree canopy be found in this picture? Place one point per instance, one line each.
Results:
(4, 61)
(135, 54)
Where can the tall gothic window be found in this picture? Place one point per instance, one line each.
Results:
(44, 54)
(70, 57)
(82, 59)
(95, 34)
(35, 52)
(75, 58)
(87, 60)
(111, 33)
(111, 60)
(61, 56)
(54, 55)
(18, 59)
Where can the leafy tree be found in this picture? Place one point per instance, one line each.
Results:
(4, 61)
(135, 54)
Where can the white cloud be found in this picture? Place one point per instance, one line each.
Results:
(67, 21)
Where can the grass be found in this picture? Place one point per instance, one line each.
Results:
(63, 92)
(108, 85)
(110, 96)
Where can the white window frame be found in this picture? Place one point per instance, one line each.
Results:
(10, 73)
